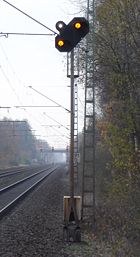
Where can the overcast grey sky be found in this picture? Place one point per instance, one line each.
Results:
(33, 61)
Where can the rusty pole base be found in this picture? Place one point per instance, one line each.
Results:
(72, 217)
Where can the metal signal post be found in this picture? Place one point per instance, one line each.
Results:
(71, 228)
(72, 127)
(67, 39)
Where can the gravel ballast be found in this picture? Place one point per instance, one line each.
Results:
(34, 227)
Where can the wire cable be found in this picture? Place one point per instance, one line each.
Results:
(55, 33)
(6, 34)
(10, 84)
(55, 121)
(59, 105)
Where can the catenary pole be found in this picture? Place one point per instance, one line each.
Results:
(89, 85)
(94, 114)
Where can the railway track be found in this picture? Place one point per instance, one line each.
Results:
(13, 171)
(11, 194)
(10, 176)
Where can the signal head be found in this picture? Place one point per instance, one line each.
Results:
(71, 34)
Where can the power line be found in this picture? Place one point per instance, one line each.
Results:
(60, 134)
(30, 17)
(7, 79)
(55, 121)
(36, 106)
(11, 66)
(29, 114)
(59, 105)
(6, 34)
(28, 106)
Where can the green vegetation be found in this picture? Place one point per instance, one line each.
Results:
(117, 79)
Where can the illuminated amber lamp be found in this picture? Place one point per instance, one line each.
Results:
(77, 25)
(60, 43)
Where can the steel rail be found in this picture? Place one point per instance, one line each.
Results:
(20, 170)
(4, 210)
(10, 173)
(11, 170)
(15, 169)
(22, 180)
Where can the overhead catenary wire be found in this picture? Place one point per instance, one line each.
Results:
(10, 65)
(36, 106)
(6, 34)
(60, 134)
(18, 98)
(14, 91)
(30, 17)
(59, 105)
(9, 83)
(55, 121)
(28, 34)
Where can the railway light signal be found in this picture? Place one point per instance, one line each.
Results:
(60, 42)
(70, 35)
(77, 25)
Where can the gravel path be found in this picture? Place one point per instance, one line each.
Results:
(34, 227)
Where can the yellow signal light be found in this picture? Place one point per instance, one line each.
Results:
(77, 25)
(60, 43)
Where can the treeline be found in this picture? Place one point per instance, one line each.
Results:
(18, 145)
(117, 88)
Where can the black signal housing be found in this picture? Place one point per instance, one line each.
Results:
(71, 34)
